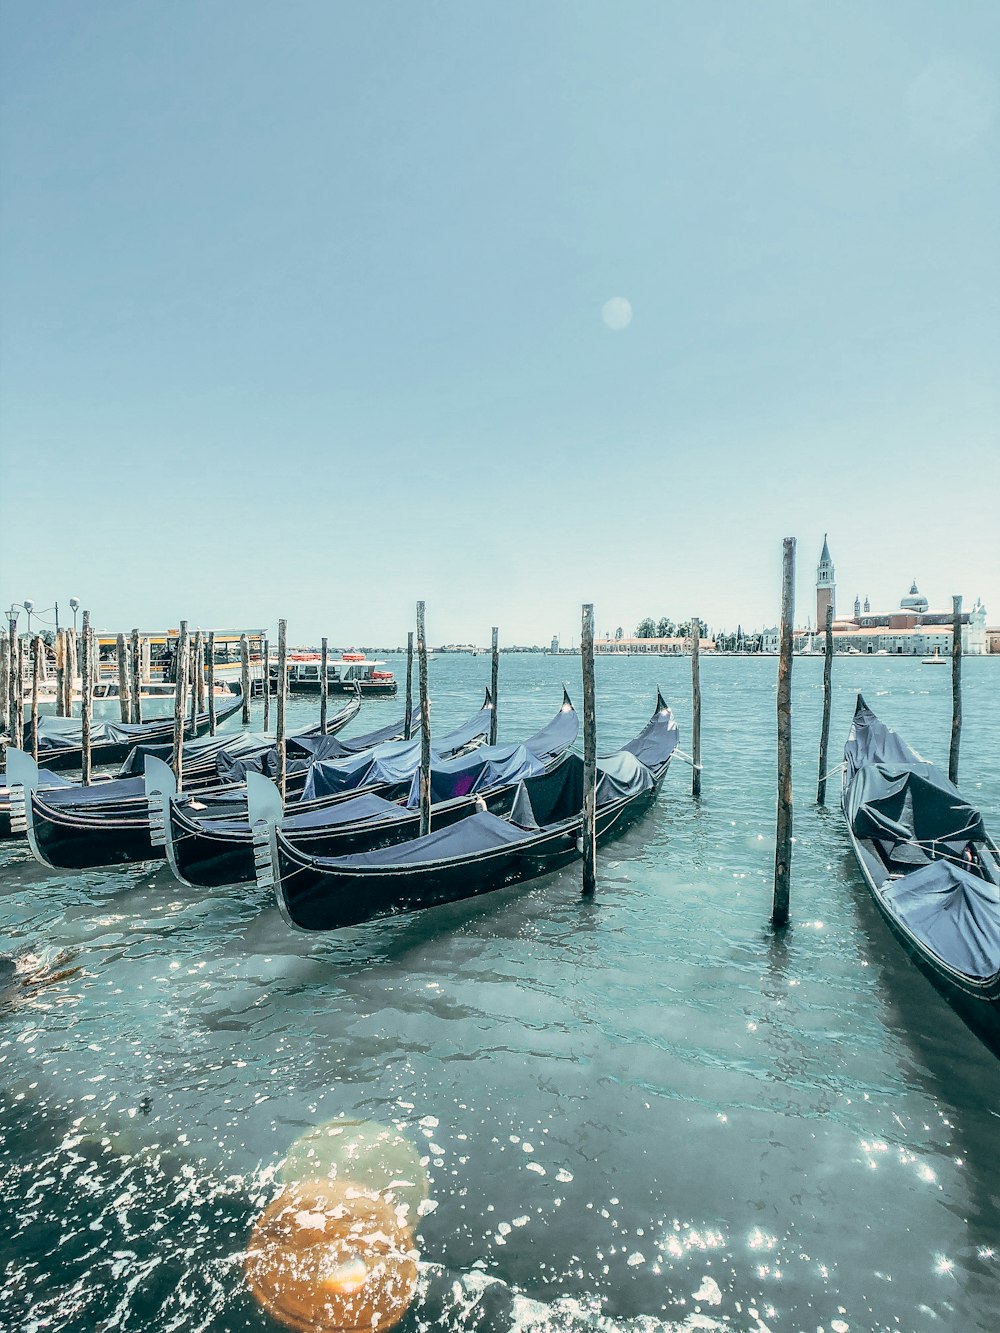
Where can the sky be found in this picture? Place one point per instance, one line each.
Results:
(312, 310)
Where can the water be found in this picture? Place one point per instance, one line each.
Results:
(644, 1109)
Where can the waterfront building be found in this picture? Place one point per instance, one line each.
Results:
(913, 630)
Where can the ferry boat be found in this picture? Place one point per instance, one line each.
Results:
(348, 674)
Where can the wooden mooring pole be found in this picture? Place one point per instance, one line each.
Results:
(123, 699)
(956, 688)
(824, 734)
(12, 702)
(69, 683)
(265, 649)
(60, 671)
(783, 837)
(19, 718)
(245, 677)
(4, 682)
(494, 678)
(193, 679)
(36, 680)
(279, 708)
(589, 830)
(324, 684)
(210, 667)
(136, 665)
(200, 672)
(408, 714)
(86, 671)
(425, 726)
(180, 702)
(696, 707)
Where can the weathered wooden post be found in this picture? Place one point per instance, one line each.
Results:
(199, 671)
(12, 674)
(4, 681)
(210, 668)
(245, 677)
(408, 715)
(265, 649)
(494, 677)
(280, 702)
(71, 669)
(86, 671)
(193, 681)
(425, 726)
(136, 665)
(19, 690)
(589, 831)
(324, 683)
(696, 707)
(36, 679)
(180, 703)
(123, 699)
(824, 735)
(956, 688)
(783, 838)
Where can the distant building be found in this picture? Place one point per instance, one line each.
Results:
(826, 586)
(913, 630)
(554, 645)
(630, 647)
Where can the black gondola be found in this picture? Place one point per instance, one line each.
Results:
(206, 850)
(539, 832)
(60, 739)
(108, 823)
(930, 866)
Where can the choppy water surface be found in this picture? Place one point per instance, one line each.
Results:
(640, 1112)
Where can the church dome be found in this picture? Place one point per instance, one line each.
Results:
(914, 601)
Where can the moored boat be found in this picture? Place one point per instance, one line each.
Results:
(346, 674)
(538, 831)
(930, 866)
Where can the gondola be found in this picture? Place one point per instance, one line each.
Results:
(108, 823)
(60, 739)
(537, 830)
(207, 850)
(930, 866)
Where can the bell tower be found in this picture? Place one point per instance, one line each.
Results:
(826, 586)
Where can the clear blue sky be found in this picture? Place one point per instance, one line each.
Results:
(302, 310)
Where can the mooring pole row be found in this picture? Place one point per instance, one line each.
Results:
(180, 701)
(425, 726)
(245, 677)
(589, 829)
(408, 714)
(783, 838)
(824, 735)
(86, 669)
(696, 707)
(494, 680)
(956, 688)
(324, 684)
(279, 709)
(210, 667)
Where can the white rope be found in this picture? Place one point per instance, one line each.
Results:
(836, 769)
(687, 759)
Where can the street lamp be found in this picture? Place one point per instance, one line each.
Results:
(29, 607)
(74, 606)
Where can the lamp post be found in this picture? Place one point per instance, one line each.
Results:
(74, 606)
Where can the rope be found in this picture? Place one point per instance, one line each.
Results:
(679, 754)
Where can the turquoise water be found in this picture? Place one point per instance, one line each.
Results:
(646, 1109)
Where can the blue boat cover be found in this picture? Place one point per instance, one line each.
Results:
(46, 778)
(355, 811)
(912, 804)
(481, 832)
(658, 739)
(393, 762)
(623, 775)
(203, 750)
(332, 747)
(489, 766)
(955, 914)
(98, 793)
(872, 742)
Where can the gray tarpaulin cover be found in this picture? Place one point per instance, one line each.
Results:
(957, 915)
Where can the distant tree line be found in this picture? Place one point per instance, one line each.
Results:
(665, 628)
